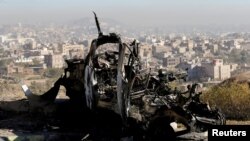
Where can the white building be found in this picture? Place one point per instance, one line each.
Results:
(23, 60)
(217, 70)
(145, 51)
(45, 51)
(182, 50)
(2, 39)
(66, 48)
(190, 45)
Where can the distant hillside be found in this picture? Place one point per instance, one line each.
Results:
(232, 96)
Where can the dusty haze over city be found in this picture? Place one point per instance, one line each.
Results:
(156, 13)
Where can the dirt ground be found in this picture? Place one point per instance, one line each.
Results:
(21, 125)
(236, 122)
(17, 126)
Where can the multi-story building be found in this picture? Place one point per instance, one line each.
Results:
(217, 70)
(158, 51)
(14, 69)
(45, 51)
(190, 45)
(171, 62)
(145, 51)
(66, 49)
(54, 61)
(2, 39)
(182, 50)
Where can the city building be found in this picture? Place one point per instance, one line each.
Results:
(15, 69)
(171, 62)
(66, 48)
(190, 45)
(217, 70)
(54, 61)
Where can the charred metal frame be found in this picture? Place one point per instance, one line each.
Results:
(123, 82)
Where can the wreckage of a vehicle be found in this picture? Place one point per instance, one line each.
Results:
(117, 98)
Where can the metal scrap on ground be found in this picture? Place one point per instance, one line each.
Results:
(113, 97)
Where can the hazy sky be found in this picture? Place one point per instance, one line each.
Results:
(139, 12)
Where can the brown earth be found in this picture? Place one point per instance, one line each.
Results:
(13, 98)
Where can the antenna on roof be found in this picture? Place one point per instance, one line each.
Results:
(97, 25)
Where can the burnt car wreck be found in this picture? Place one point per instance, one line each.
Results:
(111, 97)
